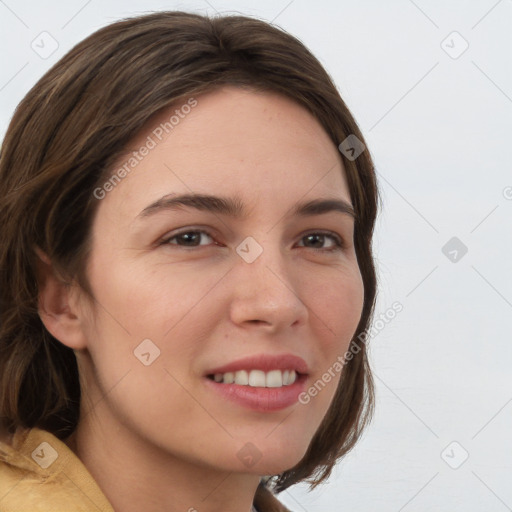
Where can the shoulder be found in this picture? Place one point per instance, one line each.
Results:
(38, 472)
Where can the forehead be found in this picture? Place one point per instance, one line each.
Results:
(231, 140)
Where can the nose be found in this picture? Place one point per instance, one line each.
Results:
(266, 293)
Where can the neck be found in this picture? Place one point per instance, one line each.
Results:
(135, 475)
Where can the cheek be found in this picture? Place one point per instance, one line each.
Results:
(168, 305)
(148, 300)
(336, 305)
(335, 313)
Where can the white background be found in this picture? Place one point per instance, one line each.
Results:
(439, 130)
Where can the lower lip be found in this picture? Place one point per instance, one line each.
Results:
(260, 399)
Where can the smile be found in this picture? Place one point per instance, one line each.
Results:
(257, 378)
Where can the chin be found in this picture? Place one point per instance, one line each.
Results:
(275, 460)
(276, 467)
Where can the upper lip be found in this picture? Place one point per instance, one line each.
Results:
(264, 362)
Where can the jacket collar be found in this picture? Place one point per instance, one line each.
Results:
(265, 501)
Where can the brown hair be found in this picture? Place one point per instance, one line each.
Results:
(61, 144)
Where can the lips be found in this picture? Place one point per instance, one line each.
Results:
(266, 399)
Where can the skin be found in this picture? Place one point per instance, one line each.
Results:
(155, 437)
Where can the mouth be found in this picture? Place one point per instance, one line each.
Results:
(263, 383)
(257, 378)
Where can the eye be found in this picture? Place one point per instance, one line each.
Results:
(190, 238)
(317, 239)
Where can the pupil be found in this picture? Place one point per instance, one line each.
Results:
(188, 237)
(318, 238)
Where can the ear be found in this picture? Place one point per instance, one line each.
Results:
(57, 305)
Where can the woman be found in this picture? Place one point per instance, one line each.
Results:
(186, 272)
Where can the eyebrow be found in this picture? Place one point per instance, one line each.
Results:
(234, 207)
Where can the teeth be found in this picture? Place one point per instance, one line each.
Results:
(258, 378)
(274, 379)
(242, 378)
(228, 378)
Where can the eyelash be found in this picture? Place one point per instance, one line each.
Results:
(338, 242)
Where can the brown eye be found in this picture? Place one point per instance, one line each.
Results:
(190, 238)
(318, 240)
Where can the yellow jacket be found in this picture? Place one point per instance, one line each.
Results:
(39, 473)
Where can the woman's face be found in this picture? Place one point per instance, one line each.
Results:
(238, 280)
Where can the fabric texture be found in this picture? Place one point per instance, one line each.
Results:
(39, 473)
